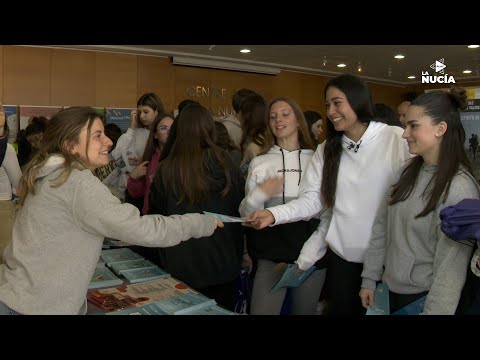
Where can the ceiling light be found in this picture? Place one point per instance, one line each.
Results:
(245, 51)
(411, 77)
(341, 65)
(215, 64)
(399, 56)
(467, 71)
(473, 46)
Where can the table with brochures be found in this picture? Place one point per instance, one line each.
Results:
(124, 283)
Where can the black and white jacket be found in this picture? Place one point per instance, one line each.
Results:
(280, 243)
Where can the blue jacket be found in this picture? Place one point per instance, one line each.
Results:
(462, 221)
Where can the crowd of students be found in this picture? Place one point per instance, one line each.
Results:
(361, 207)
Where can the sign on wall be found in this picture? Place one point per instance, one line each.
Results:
(12, 121)
(26, 112)
(119, 116)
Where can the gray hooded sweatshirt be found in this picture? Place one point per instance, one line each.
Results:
(58, 235)
(416, 254)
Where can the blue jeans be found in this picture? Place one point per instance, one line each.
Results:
(5, 310)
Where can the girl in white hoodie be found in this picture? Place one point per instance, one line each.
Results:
(348, 177)
(274, 178)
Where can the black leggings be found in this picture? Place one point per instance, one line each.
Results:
(343, 287)
(398, 301)
(224, 294)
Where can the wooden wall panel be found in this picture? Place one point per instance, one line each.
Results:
(222, 86)
(225, 83)
(189, 82)
(389, 95)
(26, 75)
(287, 84)
(155, 74)
(116, 80)
(262, 84)
(306, 90)
(38, 76)
(73, 78)
(420, 88)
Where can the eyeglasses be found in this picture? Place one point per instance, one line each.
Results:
(164, 128)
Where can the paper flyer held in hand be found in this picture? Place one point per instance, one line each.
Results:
(381, 300)
(291, 277)
(226, 218)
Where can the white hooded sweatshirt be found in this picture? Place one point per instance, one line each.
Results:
(367, 170)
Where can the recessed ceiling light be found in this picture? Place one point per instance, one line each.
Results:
(411, 77)
(467, 71)
(245, 51)
(341, 65)
(473, 46)
(399, 56)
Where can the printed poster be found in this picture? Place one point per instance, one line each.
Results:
(12, 121)
(27, 111)
(471, 123)
(119, 116)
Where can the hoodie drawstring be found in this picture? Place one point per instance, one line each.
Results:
(299, 171)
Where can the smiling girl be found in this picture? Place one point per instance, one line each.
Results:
(274, 178)
(347, 179)
(418, 259)
(64, 214)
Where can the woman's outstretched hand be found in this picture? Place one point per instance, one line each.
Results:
(218, 223)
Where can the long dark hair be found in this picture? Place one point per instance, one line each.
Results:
(360, 100)
(185, 170)
(223, 139)
(440, 106)
(253, 111)
(152, 142)
(153, 101)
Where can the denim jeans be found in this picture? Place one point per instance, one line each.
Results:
(5, 310)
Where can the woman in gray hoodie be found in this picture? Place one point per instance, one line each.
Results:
(408, 250)
(64, 214)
